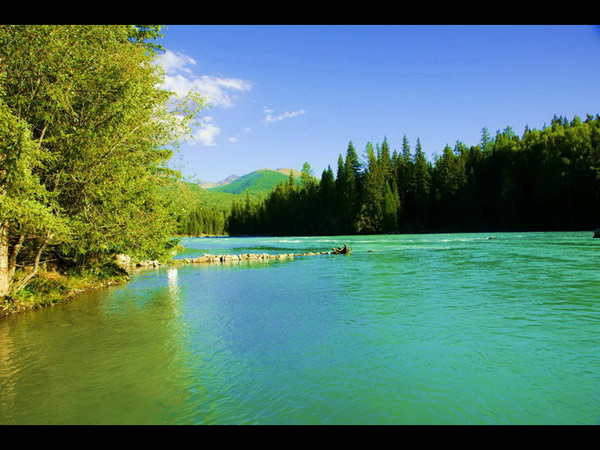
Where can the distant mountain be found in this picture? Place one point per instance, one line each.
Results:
(192, 202)
(258, 182)
(210, 184)
(187, 195)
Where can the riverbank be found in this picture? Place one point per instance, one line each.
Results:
(50, 288)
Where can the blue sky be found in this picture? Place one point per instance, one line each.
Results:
(281, 95)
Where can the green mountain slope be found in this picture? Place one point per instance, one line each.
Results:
(203, 211)
(255, 183)
(188, 195)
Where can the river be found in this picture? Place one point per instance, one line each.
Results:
(407, 329)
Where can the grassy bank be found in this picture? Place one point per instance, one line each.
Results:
(51, 287)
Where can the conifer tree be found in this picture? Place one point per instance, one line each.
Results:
(422, 185)
(352, 189)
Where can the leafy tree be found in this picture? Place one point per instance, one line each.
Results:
(25, 210)
(306, 175)
(89, 97)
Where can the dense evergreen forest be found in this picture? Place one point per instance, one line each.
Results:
(200, 221)
(546, 179)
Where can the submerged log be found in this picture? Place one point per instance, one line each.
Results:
(345, 250)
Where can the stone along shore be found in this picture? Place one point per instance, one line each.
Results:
(126, 262)
(247, 257)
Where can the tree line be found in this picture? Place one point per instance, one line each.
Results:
(201, 221)
(546, 179)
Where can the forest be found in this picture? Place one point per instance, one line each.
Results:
(200, 221)
(544, 180)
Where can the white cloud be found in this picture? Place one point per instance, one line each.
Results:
(270, 118)
(175, 62)
(234, 139)
(181, 79)
(220, 91)
(206, 134)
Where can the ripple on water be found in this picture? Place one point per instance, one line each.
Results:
(425, 329)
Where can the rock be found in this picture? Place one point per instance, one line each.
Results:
(123, 260)
(149, 263)
(597, 233)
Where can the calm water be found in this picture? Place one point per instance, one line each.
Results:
(408, 329)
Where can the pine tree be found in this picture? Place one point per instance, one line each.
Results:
(327, 196)
(422, 186)
(371, 210)
(391, 208)
(353, 189)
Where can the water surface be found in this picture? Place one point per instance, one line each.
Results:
(408, 329)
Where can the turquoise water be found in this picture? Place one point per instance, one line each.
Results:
(408, 329)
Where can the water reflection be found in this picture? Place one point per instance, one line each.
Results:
(172, 277)
(111, 357)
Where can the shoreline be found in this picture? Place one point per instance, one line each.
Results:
(57, 288)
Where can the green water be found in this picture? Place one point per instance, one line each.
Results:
(408, 329)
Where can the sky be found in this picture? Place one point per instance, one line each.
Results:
(283, 95)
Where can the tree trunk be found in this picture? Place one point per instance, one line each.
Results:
(36, 263)
(4, 281)
(12, 257)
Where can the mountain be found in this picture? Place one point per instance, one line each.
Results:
(187, 195)
(286, 172)
(258, 182)
(210, 184)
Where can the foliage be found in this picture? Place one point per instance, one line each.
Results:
(85, 133)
